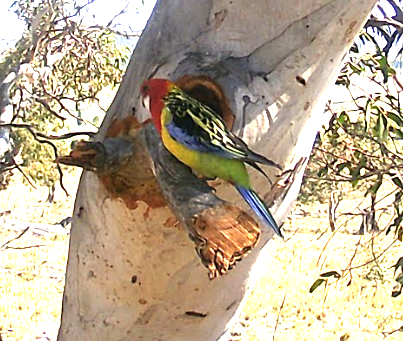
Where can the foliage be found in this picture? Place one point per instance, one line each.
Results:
(65, 66)
(360, 147)
(389, 27)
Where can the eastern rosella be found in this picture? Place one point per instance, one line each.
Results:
(198, 137)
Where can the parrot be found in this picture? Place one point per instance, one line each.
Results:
(198, 137)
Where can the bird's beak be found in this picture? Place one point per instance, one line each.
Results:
(146, 102)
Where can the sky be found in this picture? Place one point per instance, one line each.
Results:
(8, 20)
(100, 12)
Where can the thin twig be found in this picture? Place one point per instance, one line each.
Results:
(123, 11)
(48, 108)
(78, 10)
(59, 169)
(386, 334)
(41, 138)
(377, 257)
(21, 247)
(26, 177)
(49, 137)
(278, 317)
(18, 237)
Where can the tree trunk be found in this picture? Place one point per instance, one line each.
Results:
(132, 272)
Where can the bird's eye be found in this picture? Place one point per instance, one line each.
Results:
(144, 89)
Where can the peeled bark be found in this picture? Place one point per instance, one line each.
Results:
(132, 272)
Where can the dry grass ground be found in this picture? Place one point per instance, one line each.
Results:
(32, 280)
(362, 310)
(280, 307)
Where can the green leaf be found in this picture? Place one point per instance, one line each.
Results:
(399, 279)
(330, 274)
(95, 120)
(354, 48)
(354, 183)
(395, 118)
(343, 165)
(391, 98)
(399, 134)
(374, 188)
(399, 233)
(343, 118)
(379, 128)
(396, 293)
(316, 284)
(355, 67)
(322, 172)
(396, 180)
(385, 135)
(368, 110)
(399, 264)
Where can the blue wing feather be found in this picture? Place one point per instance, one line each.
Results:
(259, 207)
(195, 142)
(184, 138)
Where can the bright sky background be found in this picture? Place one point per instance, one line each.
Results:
(100, 12)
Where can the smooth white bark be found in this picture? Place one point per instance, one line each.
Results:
(129, 276)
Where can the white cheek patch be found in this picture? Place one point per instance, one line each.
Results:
(146, 102)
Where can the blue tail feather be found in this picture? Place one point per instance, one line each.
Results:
(259, 207)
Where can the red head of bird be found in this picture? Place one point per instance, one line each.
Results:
(153, 91)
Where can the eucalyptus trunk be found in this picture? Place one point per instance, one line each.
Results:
(133, 273)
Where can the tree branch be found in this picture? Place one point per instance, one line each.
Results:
(222, 233)
(375, 22)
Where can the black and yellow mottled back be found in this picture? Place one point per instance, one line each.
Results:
(202, 129)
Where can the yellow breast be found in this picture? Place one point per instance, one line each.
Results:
(188, 156)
